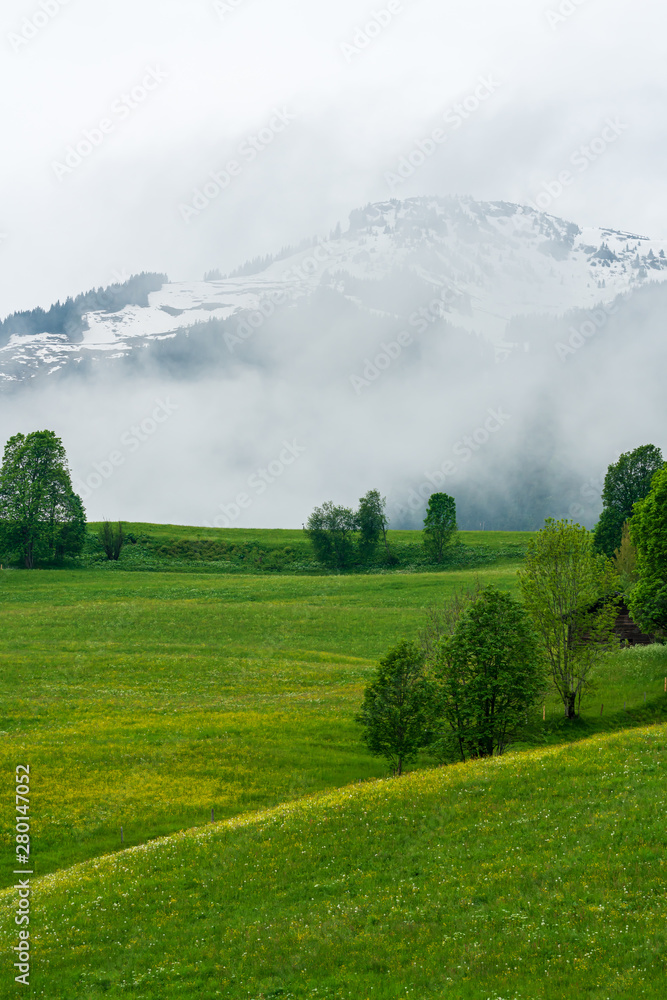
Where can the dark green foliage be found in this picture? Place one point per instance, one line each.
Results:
(372, 524)
(626, 482)
(112, 539)
(439, 525)
(67, 317)
(397, 707)
(40, 515)
(70, 537)
(609, 531)
(490, 673)
(331, 532)
(342, 537)
(648, 530)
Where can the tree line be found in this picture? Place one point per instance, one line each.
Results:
(43, 519)
(467, 685)
(342, 537)
(67, 318)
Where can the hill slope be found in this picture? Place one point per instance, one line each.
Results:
(536, 875)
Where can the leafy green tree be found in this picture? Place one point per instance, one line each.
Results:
(372, 524)
(490, 672)
(608, 531)
(40, 515)
(331, 531)
(439, 525)
(648, 531)
(397, 707)
(569, 592)
(112, 538)
(627, 481)
(625, 561)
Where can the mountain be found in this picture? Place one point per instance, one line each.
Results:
(487, 263)
(486, 349)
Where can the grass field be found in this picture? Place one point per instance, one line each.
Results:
(147, 699)
(538, 875)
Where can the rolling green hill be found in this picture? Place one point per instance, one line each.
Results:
(538, 875)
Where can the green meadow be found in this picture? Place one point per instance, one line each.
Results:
(144, 700)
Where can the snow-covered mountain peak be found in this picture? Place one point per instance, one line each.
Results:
(486, 263)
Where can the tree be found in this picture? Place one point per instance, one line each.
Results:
(439, 524)
(396, 710)
(490, 672)
(608, 531)
(442, 619)
(331, 532)
(625, 561)
(372, 523)
(627, 481)
(648, 531)
(40, 515)
(112, 539)
(569, 592)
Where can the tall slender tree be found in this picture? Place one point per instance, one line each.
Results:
(439, 525)
(570, 594)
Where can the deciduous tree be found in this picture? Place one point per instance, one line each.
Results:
(330, 529)
(570, 593)
(372, 524)
(439, 525)
(627, 481)
(40, 515)
(397, 707)
(648, 530)
(490, 673)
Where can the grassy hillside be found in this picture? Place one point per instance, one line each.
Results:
(229, 692)
(234, 550)
(144, 700)
(539, 875)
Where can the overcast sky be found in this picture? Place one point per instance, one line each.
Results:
(182, 85)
